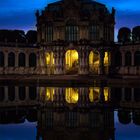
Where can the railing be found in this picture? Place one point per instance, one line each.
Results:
(16, 44)
(18, 70)
(128, 70)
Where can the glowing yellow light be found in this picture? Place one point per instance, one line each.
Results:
(71, 58)
(106, 93)
(49, 94)
(106, 58)
(94, 94)
(71, 95)
(49, 59)
(93, 58)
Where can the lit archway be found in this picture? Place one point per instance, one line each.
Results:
(106, 62)
(94, 62)
(106, 59)
(71, 61)
(94, 94)
(49, 59)
(71, 95)
(49, 96)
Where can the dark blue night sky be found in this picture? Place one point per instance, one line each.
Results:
(19, 14)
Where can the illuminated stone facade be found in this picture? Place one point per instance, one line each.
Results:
(72, 36)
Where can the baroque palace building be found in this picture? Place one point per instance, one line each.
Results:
(73, 37)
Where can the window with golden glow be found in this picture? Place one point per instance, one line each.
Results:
(49, 94)
(71, 59)
(50, 58)
(106, 93)
(94, 62)
(93, 58)
(94, 94)
(71, 95)
(106, 59)
(46, 93)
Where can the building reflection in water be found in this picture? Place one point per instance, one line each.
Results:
(74, 95)
(70, 112)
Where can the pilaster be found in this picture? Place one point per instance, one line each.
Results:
(84, 60)
(59, 60)
(101, 62)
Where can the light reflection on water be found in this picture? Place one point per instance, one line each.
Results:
(35, 113)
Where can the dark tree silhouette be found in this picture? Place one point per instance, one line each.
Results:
(31, 36)
(124, 35)
(136, 34)
(12, 36)
(124, 117)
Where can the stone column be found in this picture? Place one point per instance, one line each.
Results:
(6, 93)
(38, 58)
(16, 94)
(132, 95)
(83, 60)
(123, 95)
(101, 96)
(101, 62)
(83, 97)
(59, 61)
(58, 98)
(62, 96)
(6, 59)
(27, 60)
(27, 93)
(132, 59)
(16, 59)
(123, 58)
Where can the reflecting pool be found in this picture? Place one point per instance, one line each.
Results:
(73, 113)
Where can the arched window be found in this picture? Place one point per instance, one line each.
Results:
(94, 32)
(128, 94)
(49, 33)
(1, 59)
(22, 93)
(137, 58)
(136, 94)
(21, 60)
(118, 59)
(32, 93)
(128, 59)
(11, 93)
(2, 95)
(11, 59)
(32, 60)
(71, 31)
